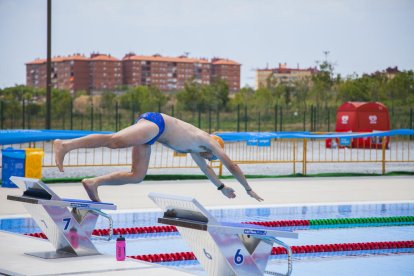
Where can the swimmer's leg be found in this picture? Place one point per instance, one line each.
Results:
(137, 134)
(61, 147)
(140, 160)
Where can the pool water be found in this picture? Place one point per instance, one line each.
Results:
(353, 263)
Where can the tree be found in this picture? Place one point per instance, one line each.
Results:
(190, 97)
(61, 104)
(322, 83)
(301, 92)
(399, 90)
(353, 90)
(107, 100)
(143, 99)
(156, 99)
(279, 93)
(14, 97)
(245, 97)
(196, 96)
(263, 100)
(220, 93)
(376, 86)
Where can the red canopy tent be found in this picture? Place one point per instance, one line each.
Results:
(362, 117)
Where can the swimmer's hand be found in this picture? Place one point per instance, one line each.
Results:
(229, 192)
(254, 195)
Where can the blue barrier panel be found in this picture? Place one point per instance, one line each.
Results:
(251, 142)
(344, 141)
(263, 142)
(246, 136)
(16, 136)
(12, 165)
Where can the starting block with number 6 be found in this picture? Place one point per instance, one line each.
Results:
(67, 223)
(222, 248)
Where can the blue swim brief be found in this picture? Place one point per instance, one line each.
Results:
(157, 119)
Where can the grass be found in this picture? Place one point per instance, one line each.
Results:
(161, 177)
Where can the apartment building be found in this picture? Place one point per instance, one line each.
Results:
(77, 72)
(103, 72)
(36, 73)
(227, 70)
(71, 73)
(389, 72)
(166, 73)
(282, 74)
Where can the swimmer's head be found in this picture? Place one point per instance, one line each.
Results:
(219, 140)
(221, 143)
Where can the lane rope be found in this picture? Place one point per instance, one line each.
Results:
(284, 224)
(319, 250)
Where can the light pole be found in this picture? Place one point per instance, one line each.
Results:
(49, 65)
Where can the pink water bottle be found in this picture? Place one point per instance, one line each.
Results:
(74, 237)
(120, 248)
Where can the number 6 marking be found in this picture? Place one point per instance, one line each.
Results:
(208, 255)
(67, 220)
(238, 258)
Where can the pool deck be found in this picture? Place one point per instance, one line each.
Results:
(14, 261)
(277, 191)
(274, 191)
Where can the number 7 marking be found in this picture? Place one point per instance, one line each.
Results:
(67, 220)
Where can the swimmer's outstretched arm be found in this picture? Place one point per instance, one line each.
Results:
(236, 172)
(209, 172)
(231, 166)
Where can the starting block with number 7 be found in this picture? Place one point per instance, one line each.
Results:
(222, 248)
(67, 223)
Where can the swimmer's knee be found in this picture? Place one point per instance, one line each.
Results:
(116, 141)
(137, 178)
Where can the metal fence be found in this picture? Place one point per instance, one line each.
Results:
(296, 153)
(235, 118)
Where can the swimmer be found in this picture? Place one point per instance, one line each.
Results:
(149, 128)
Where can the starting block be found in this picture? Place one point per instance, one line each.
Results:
(67, 223)
(222, 248)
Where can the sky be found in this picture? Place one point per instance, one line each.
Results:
(361, 36)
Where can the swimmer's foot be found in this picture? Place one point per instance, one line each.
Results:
(91, 188)
(59, 153)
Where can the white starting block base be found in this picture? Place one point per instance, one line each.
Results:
(222, 248)
(67, 223)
